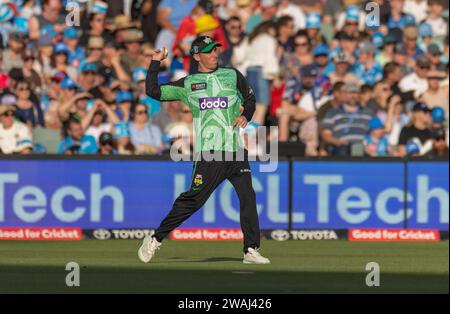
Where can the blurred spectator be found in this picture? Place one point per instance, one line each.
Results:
(435, 19)
(342, 69)
(436, 95)
(106, 144)
(418, 131)
(394, 119)
(417, 8)
(122, 139)
(238, 44)
(313, 26)
(398, 18)
(124, 103)
(375, 143)
(302, 55)
(366, 69)
(146, 137)
(287, 7)
(50, 21)
(440, 147)
(15, 137)
(28, 111)
(132, 43)
(99, 119)
(416, 83)
(75, 106)
(29, 73)
(262, 66)
(13, 54)
(386, 54)
(345, 125)
(167, 115)
(76, 142)
(169, 17)
(285, 33)
(268, 10)
(60, 61)
(434, 54)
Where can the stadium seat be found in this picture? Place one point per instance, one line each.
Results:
(49, 138)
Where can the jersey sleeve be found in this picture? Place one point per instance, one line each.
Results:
(248, 97)
(164, 92)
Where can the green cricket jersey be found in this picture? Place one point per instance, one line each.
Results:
(214, 98)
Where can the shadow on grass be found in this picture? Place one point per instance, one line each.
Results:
(204, 260)
(40, 279)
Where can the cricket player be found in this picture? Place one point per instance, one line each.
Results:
(215, 96)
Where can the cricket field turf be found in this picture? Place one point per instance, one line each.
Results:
(216, 267)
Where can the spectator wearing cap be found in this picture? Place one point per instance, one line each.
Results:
(146, 137)
(262, 66)
(132, 43)
(100, 118)
(439, 121)
(401, 57)
(425, 36)
(169, 15)
(416, 83)
(290, 113)
(268, 11)
(313, 28)
(87, 79)
(51, 20)
(346, 43)
(398, 18)
(30, 8)
(71, 37)
(435, 19)
(68, 89)
(410, 37)
(76, 142)
(418, 130)
(122, 135)
(342, 67)
(352, 19)
(289, 7)
(13, 54)
(345, 125)
(60, 60)
(440, 144)
(106, 144)
(153, 105)
(436, 95)
(386, 54)
(285, 33)
(15, 137)
(320, 53)
(375, 142)
(434, 54)
(366, 69)
(28, 111)
(124, 103)
(310, 104)
(96, 26)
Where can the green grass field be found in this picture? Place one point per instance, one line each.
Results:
(216, 267)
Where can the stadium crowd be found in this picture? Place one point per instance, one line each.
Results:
(72, 73)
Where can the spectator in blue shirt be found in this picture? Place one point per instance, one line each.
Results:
(146, 137)
(366, 68)
(375, 142)
(76, 142)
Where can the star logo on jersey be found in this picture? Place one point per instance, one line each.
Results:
(198, 180)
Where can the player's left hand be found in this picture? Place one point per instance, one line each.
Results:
(240, 121)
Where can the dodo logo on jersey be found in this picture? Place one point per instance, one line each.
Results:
(213, 103)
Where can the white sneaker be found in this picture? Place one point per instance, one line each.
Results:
(148, 249)
(253, 257)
